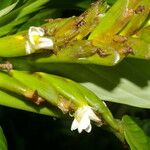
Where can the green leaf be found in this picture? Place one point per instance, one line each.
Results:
(134, 135)
(112, 22)
(8, 9)
(8, 27)
(5, 3)
(40, 18)
(3, 142)
(31, 8)
(19, 15)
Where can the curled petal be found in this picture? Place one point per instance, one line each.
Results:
(35, 32)
(85, 124)
(74, 125)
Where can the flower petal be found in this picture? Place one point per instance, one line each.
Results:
(84, 123)
(88, 129)
(34, 32)
(45, 43)
(74, 125)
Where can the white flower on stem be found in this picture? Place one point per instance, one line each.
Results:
(82, 120)
(37, 40)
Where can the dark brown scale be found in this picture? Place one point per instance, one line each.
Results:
(119, 38)
(6, 66)
(101, 52)
(139, 10)
(80, 21)
(36, 99)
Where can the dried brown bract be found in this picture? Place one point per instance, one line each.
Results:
(6, 66)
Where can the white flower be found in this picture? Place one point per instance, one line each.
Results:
(37, 40)
(82, 119)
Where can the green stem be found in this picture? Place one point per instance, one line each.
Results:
(10, 84)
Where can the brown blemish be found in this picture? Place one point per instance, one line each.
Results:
(139, 9)
(79, 22)
(36, 98)
(127, 50)
(65, 105)
(101, 52)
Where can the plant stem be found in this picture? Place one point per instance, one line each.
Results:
(10, 84)
(15, 102)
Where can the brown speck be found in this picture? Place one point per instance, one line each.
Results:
(101, 52)
(139, 9)
(80, 23)
(80, 20)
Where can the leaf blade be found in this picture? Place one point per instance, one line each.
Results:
(8, 9)
(3, 142)
(132, 133)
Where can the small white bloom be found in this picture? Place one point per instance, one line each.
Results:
(37, 40)
(82, 119)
